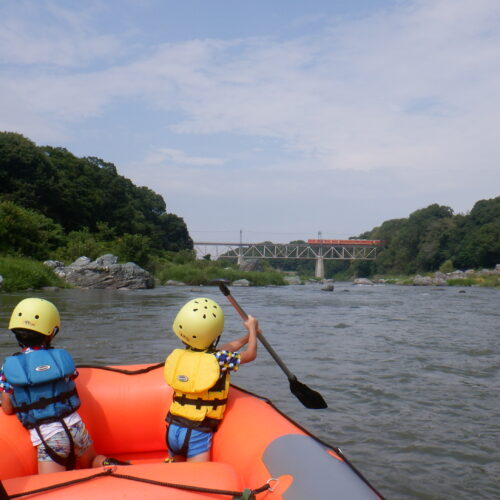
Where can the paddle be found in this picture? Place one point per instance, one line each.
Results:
(308, 397)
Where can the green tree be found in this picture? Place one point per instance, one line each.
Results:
(81, 243)
(27, 233)
(476, 242)
(80, 193)
(27, 177)
(134, 248)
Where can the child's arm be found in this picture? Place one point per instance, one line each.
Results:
(250, 340)
(7, 404)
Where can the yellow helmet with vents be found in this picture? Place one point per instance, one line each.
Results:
(199, 322)
(37, 315)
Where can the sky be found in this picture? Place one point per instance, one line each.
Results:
(269, 120)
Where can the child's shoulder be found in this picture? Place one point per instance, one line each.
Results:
(227, 356)
(224, 353)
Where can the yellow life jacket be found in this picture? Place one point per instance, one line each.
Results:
(199, 390)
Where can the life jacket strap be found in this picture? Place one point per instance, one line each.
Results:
(206, 425)
(198, 402)
(44, 402)
(70, 461)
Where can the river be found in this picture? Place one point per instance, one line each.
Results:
(410, 374)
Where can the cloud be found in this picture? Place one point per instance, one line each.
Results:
(346, 96)
(405, 94)
(165, 155)
(48, 33)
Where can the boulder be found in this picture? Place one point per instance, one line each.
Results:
(251, 265)
(242, 282)
(422, 280)
(175, 283)
(104, 272)
(362, 281)
(293, 280)
(439, 279)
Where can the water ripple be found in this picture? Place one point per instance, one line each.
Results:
(410, 374)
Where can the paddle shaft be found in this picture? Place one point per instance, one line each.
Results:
(307, 396)
(225, 290)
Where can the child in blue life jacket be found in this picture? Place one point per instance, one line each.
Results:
(37, 384)
(199, 375)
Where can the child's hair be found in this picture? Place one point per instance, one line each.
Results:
(29, 338)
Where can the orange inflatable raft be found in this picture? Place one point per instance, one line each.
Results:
(257, 451)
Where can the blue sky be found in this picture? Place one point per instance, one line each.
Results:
(278, 118)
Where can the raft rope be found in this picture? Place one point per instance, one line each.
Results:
(125, 372)
(337, 450)
(246, 494)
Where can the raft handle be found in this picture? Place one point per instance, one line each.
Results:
(269, 481)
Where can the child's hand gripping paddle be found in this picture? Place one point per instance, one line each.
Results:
(308, 397)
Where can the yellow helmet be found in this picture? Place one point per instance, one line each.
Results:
(199, 322)
(37, 315)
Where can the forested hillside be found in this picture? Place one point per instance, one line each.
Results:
(55, 205)
(433, 237)
(50, 199)
(427, 240)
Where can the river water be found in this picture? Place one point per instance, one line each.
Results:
(410, 374)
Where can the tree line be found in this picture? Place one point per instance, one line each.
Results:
(428, 240)
(53, 203)
(433, 237)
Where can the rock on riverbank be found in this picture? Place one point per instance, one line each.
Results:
(104, 272)
(438, 278)
(441, 279)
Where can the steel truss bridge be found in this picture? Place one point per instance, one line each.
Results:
(317, 252)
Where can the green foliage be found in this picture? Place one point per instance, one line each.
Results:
(490, 281)
(82, 243)
(203, 272)
(21, 274)
(433, 235)
(79, 193)
(55, 205)
(26, 232)
(447, 266)
(486, 280)
(133, 248)
(27, 177)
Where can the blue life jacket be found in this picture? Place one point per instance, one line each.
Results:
(43, 391)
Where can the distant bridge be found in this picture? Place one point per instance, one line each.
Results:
(319, 250)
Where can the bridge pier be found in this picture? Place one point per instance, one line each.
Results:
(320, 268)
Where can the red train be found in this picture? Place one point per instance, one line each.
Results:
(344, 242)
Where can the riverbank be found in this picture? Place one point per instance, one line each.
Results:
(471, 277)
(18, 273)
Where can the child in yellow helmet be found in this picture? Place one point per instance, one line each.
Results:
(199, 376)
(37, 384)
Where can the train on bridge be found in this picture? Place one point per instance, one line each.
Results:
(345, 242)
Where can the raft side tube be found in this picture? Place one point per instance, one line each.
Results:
(317, 474)
(125, 415)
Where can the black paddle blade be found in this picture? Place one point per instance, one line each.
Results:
(309, 398)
